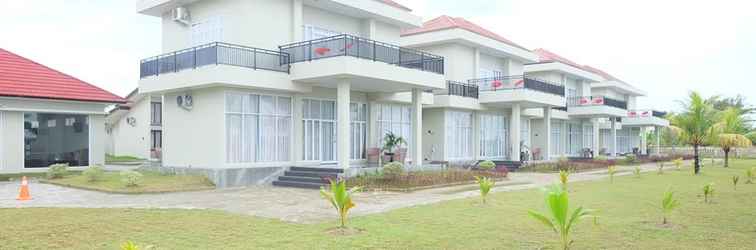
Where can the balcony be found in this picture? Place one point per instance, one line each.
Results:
(596, 106)
(370, 65)
(217, 63)
(215, 54)
(460, 89)
(646, 118)
(527, 91)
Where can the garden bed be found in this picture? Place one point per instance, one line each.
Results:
(582, 165)
(152, 182)
(412, 181)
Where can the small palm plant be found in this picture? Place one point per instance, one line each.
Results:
(485, 186)
(560, 219)
(611, 171)
(708, 191)
(128, 245)
(660, 166)
(637, 171)
(735, 180)
(340, 197)
(564, 176)
(669, 203)
(678, 163)
(749, 175)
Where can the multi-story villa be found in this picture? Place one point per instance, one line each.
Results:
(321, 83)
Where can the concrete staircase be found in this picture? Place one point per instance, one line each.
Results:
(307, 177)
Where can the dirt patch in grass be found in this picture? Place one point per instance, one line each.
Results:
(152, 182)
(340, 231)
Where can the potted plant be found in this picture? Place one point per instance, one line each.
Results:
(392, 142)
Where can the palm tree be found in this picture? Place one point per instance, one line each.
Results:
(694, 124)
(730, 132)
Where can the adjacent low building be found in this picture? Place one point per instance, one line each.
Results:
(48, 117)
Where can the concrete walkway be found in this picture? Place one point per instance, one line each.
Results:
(287, 204)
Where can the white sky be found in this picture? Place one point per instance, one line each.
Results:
(666, 47)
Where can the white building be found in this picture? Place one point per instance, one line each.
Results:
(48, 117)
(271, 84)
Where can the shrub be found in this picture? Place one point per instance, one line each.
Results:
(131, 178)
(485, 186)
(560, 219)
(660, 166)
(563, 163)
(669, 203)
(630, 159)
(486, 165)
(601, 158)
(393, 169)
(94, 173)
(749, 175)
(637, 171)
(56, 171)
(708, 191)
(340, 198)
(678, 163)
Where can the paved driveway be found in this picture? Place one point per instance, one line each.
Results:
(288, 204)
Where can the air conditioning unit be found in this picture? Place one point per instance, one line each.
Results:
(181, 15)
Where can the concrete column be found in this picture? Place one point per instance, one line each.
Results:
(369, 28)
(476, 63)
(547, 134)
(614, 136)
(514, 132)
(296, 20)
(596, 137)
(417, 127)
(657, 130)
(297, 152)
(643, 141)
(476, 135)
(342, 106)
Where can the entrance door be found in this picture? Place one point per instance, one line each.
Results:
(319, 130)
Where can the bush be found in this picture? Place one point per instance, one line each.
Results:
(393, 169)
(94, 173)
(131, 178)
(57, 171)
(487, 165)
(630, 159)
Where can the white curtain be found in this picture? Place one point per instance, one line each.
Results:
(556, 138)
(574, 139)
(525, 132)
(493, 136)
(258, 128)
(358, 129)
(588, 136)
(459, 135)
(394, 118)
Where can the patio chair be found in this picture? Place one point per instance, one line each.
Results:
(400, 155)
(374, 156)
(536, 154)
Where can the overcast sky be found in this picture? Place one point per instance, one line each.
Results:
(664, 47)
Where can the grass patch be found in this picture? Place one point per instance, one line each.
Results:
(629, 210)
(15, 177)
(152, 182)
(421, 179)
(122, 159)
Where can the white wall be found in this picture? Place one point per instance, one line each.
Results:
(133, 140)
(433, 144)
(194, 137)
(458, 60)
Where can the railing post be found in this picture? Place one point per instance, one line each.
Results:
(309, 51)
(194, 54)
(254, 55)
(217, 53)
(400, 57)
(374, 50)
(345, 46)
(175, 65)
(422, 60)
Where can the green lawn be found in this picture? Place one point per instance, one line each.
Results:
(109, 159)
(151, 183)
(629, 210)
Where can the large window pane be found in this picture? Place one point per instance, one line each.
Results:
(55, 138)
(258, 128)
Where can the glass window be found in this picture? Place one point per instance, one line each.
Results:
(459, 135)
(55, 138)
(389, 119)
(493, 136)
(258, 128)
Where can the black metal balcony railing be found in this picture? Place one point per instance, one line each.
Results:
(214, 54)
(659, 114)
(560, 108)
(348, 45)
(500, 83)
(461, 89)
(646, 113)
(577, 101)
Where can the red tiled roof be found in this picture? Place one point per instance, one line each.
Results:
(395, 4)
(446, 22)
(21, 77)
(601, 73)
(548, 56)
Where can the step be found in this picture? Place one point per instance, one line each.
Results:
(321, 170)
(311, 174)
(316, 180)
(297, 184)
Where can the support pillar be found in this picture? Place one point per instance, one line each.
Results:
(643, 146)
(417, 127)
(596, 137)
(514, 132)
(547, 125)
(614, 136)
(343, 135)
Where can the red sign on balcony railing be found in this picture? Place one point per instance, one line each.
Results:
(639, 113)
(597, 100)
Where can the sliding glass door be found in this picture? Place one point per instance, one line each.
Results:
(319, 120)
(493, 136)
(55, 138)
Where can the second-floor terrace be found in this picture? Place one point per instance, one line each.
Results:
(596, 106)
(369, 65)
(646, 117)
(528, 91)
